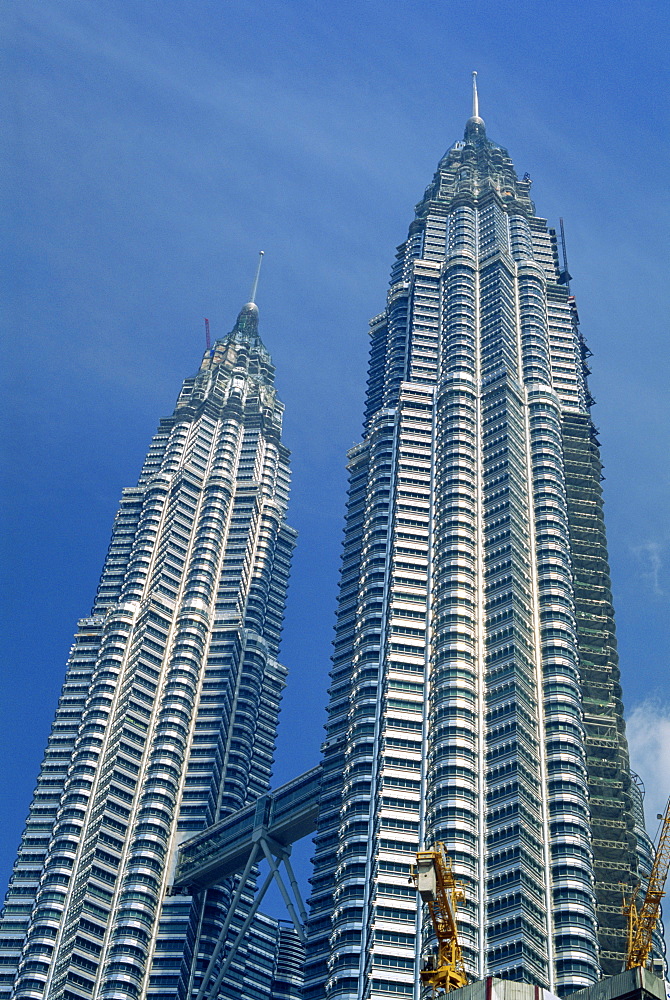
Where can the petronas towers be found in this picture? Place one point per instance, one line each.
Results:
(474, 694)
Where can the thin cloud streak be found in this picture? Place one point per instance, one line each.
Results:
(651, 562)
(648, 731)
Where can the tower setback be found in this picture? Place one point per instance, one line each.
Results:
(475, 695)
(168, 714)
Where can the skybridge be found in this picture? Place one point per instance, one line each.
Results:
(265, 829)
(282, 816)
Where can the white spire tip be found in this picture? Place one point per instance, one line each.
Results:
(254, 287)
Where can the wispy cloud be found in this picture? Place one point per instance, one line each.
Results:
(651, 561)
(648, 730)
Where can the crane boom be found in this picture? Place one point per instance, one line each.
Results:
(642, 921)
(435, 883)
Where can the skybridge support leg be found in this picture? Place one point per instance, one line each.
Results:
(212, 993)
(274, 854)
(296, 890)
(226, 925)
(282, 854)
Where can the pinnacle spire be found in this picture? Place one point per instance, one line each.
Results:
(247, 321)
(254, 287)
(475, 127)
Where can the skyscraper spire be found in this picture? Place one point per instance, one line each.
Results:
(254, 287)
(475, 120)
(247, 321)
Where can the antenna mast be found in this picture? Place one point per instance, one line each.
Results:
(207, 338)
(254, 287)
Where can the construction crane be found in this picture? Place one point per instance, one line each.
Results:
(435, 883)
(642, 921)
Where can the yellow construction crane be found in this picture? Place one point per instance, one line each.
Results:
(435, 883)
(642, 921)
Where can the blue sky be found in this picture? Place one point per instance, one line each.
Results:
(153, 148)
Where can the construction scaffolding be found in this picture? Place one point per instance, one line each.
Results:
(609, 779)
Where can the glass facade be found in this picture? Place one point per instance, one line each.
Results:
(474, 694)
(167, 718)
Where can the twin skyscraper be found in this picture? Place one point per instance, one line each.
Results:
(474, 698)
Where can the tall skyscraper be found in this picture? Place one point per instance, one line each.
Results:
(167, 718)
(475, 695)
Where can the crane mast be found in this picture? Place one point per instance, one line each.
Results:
(642, 921)
(435, 883)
